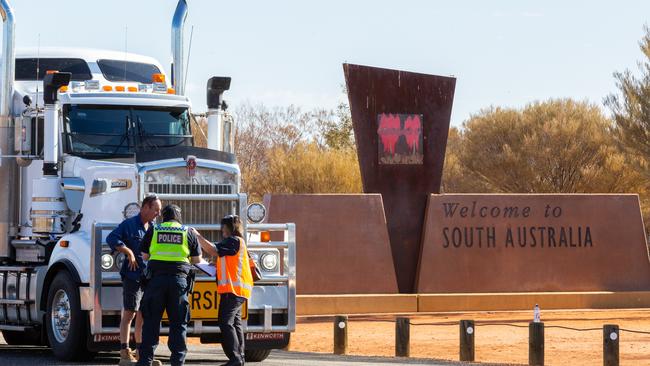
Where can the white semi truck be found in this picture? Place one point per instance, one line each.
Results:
(84, 136)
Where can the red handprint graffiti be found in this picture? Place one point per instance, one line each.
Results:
(413, 132)
(393, 148)
(389, 131)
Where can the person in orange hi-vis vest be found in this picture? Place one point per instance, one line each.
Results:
(234, 285)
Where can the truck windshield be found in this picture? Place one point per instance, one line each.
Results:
(118, 131)
(116, 70)
(26, 68)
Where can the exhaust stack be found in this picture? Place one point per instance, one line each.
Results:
(8, 169)
(178, 67)
(51, 84)
(8, 65)
(218, 138)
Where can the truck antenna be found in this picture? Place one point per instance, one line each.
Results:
(189, 52)
(38, 65)
(126, 32)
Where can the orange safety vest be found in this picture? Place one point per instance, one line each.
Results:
(234, 273)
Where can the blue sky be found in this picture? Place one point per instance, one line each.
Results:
(282, 52)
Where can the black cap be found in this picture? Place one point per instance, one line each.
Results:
(171, 212)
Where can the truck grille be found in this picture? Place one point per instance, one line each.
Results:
(198, 212)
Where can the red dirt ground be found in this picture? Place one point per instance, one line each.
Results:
(494, 343)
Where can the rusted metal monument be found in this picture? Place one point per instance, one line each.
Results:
(458, 252)
(401, 121)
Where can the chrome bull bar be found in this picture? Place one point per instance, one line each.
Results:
(287, 279)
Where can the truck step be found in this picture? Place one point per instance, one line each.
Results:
(15, 302)
(17, 268)
(19, 328)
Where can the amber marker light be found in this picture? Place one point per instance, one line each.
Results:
(63, 89)
(64, 243)
(158, 78)
(107, 88)
(133, 89)
(265, 236)
(171, 91)
(120, 88)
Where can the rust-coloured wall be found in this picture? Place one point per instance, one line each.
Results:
(598, 244)
(374, 91)
(342, 242)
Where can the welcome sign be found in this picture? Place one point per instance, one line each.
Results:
(530, 235)
(530, 243)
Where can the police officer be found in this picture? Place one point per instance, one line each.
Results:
(170, 249)
(234, 285)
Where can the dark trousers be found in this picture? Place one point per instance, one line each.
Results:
(165, 292)
(232, 333)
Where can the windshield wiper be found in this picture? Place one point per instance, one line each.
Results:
(143, 134)
(125, 137)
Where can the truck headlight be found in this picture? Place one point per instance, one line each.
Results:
(256, 212)
(107, 261)
(91, 85)
(269, 261)
(131, 210)
(119, 260)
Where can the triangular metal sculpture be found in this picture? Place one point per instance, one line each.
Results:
(401, 122)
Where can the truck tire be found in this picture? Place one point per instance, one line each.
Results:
(66, 324)
(31, 337)
(256, 355)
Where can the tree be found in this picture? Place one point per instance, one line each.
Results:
(309, 168)
(631, 108)
(266, 135)
(337, 132)
(260, 129)
(557, 146)
(456, 177)
(199, 125)
(631, 113)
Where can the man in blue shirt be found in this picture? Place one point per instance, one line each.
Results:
(126, 239)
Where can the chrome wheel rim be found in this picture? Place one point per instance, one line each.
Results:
(60, 317)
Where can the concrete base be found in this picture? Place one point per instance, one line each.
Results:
(526, 301)
(356, 304)
(429, 303)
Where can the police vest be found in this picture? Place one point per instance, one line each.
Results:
(234, 273)
(169, 243)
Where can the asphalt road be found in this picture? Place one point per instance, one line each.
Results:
(208, 355)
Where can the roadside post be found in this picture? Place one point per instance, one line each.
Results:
(536, 344)
(610, 344)
(466, 331)
(340, 334)
(402, 337)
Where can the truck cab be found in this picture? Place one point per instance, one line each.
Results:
(87, 134)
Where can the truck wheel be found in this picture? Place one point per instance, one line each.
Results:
(66, 324)
(31, 337)
(256, 355)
